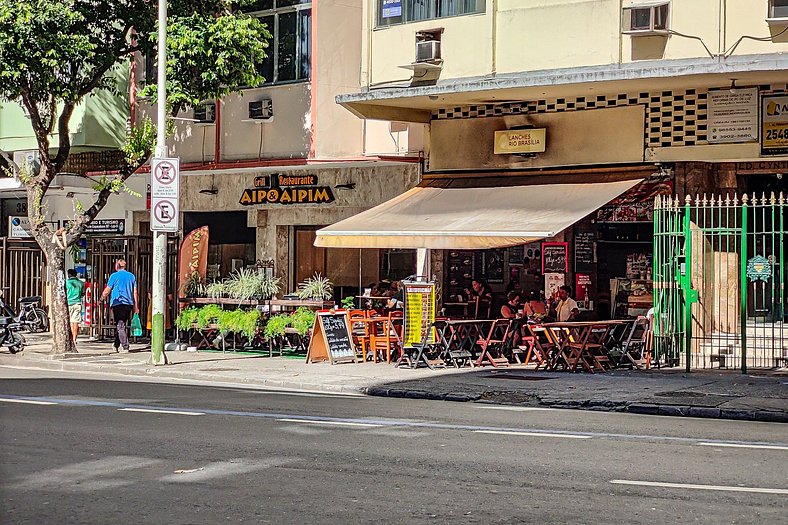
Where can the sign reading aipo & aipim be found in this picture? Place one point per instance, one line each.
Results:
(286, 189)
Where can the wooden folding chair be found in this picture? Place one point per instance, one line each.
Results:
(636, 348)
(424, 352)
(359, 330)
(494, 342)
(538, 345)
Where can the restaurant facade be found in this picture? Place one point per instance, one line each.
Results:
(543, 166)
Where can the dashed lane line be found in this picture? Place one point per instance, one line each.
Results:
(533, 434)
(336, 423)
(26, 401)
(156, 411)
(652, 484)
(743, 445)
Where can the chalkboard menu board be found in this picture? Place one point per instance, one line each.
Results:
(331, 339)
(554, 257)
(584, 251)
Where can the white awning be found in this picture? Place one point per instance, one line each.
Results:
(471, 218)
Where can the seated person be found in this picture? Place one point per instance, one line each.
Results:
(535, 307)
(396, 296)
(565, 308)
(510, 310)
(479, 289)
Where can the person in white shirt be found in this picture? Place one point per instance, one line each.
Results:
(567, 309)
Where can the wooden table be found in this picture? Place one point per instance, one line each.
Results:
(464, 306)
(459, 338)
(581, 343)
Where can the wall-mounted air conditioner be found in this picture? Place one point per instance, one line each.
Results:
(428, 51)
(262, 110)
(205, 113)
(644, 18)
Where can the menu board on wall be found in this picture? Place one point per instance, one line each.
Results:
(555, 257)
(585, 252)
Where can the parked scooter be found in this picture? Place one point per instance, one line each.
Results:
(31, 316)
(10, 336)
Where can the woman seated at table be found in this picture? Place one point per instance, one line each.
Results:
(534, 308)
(479, 289)
(511, 310)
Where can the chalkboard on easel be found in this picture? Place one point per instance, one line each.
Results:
(331, 340)
(555, 257)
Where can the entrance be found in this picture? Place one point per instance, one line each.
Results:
(719, 281)
(138, 253)
(22, 270)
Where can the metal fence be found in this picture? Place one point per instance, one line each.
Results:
(719, 281)
(22, 270)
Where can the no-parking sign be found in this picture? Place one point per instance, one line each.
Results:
(165, 194)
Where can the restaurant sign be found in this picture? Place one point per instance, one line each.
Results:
(516, 141)
(286, 189)
(774, 132)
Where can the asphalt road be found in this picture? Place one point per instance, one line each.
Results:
(76, 448)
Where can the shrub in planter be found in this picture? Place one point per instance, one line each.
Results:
(302, 320)
(316, 287)
(187, 318)
(216, 290)
(240, 321)
(208, 314)
(247, 284)
(193, 286)
(275, 326)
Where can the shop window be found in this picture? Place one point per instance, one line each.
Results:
(391, 12)
(290, 48)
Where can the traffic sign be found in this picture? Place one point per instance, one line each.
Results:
(165, 193)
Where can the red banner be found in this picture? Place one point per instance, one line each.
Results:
(193, 257)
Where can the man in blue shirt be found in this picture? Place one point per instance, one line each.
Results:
(122, 291)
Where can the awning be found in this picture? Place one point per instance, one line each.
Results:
(471, 217)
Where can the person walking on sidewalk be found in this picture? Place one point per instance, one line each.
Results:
(124, 300)
(75, 291)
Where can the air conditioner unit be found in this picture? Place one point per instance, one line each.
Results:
(261, 110)
(205, 113)
(31, 158)
(428, 51)
(641, 18)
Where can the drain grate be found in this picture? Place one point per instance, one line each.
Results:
(680, 393)
(518, 377)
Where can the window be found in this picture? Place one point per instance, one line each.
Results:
(391, 12)
(646, 17)
(290, 49)
(778, 9)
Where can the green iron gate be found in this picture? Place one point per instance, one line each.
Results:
(719, 281)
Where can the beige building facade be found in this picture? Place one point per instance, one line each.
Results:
(684, 94)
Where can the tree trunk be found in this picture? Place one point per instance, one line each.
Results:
(58, 309)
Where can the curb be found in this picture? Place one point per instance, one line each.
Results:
(770, 416)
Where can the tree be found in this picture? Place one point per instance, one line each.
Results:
(54, 53)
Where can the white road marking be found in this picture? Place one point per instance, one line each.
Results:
(221, 469)
(152, 411)
(742, 445)
(87, 476)
(26, 401)
(516, 409)
(337, 423)
(652, 484)
(532, 434)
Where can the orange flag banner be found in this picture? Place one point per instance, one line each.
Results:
(193, 257)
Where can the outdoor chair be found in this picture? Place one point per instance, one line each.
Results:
(359, 330)
(492, 346)
(538, 346)
(636, 349)
(424, 352)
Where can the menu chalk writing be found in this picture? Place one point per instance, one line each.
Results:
(584, 251)
(554, 257)
(331, 340)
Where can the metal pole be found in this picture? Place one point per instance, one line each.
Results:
(159, 237)
(743, 284)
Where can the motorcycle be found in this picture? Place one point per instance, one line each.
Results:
(31, 316)
(10, 336)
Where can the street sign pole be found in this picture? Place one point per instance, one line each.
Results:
(160, 237)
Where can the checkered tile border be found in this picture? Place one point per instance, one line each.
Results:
(673, 118)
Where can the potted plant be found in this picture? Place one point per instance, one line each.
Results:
(187, 319)
(193, 286)
(317, 288)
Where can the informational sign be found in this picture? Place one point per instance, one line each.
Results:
(287, 189)
(106, 226)
(331, 340)
(585, 250)
(774, 130)
(733, 116)
(165, 191)
(88, 317)
(552, 282)
(555, 257)
(514, 141)
(419, 312)
(392, 8)
(19, 227)
(583, 290)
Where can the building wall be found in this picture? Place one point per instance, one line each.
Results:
(554, 34)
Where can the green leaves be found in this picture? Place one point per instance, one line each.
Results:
(210, 57)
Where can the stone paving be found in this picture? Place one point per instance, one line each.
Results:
(761, 395)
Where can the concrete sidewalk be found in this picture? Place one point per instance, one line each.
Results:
(727, 394)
